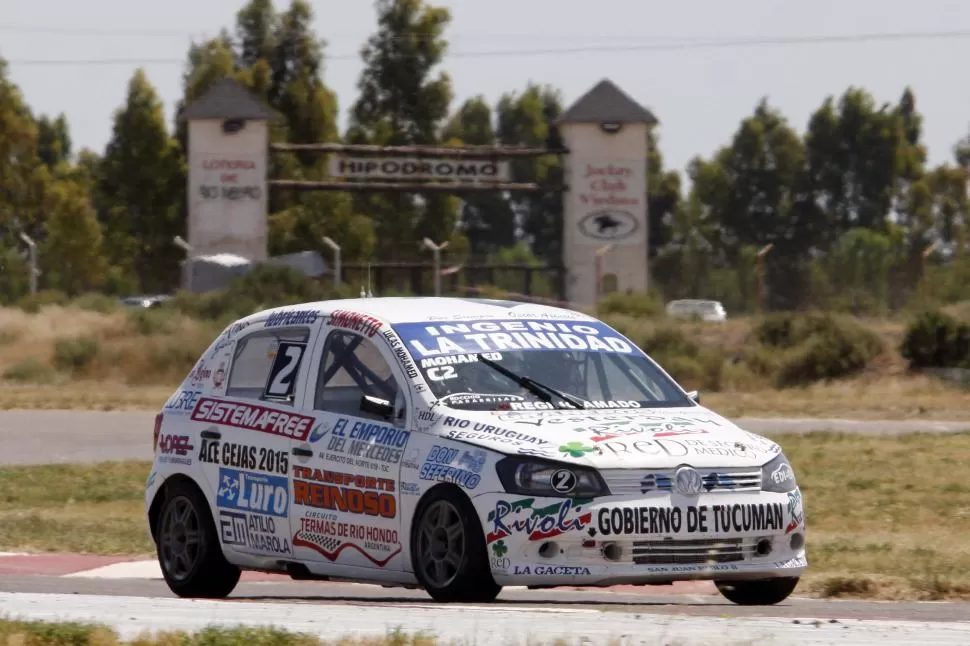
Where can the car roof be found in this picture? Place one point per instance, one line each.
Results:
(407, 309)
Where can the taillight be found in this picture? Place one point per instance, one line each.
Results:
(158, 430)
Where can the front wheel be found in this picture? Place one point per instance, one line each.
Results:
(762, 592)
(188, 548)
(448, 550)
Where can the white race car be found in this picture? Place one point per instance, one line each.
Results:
(459, 445)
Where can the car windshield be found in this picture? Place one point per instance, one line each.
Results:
(588, 360)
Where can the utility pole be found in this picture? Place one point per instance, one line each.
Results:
(336, 260)
(598, 262)
(436, 250)
(187, 248)
(32, 247)
(761, 274)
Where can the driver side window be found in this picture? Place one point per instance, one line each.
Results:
(352, 367)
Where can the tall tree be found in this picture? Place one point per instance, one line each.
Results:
(486, 219)
(751, 189)
(141, 181)
(529, 119)
(663, 196)
(856, 155)
(23, 177)
(53, 140)
(71, 254)
(402, 101)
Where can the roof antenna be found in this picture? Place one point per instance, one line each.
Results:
(370, 294)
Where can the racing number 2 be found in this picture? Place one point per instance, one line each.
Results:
(282, 376)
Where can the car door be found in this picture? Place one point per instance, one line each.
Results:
(247, 438)
(345, 502)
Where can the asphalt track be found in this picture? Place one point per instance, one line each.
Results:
(621, 615)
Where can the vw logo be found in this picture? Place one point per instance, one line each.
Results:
(688, 481)
(563, 481)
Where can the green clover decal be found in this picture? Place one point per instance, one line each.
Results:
(500, 549)
(576, 449)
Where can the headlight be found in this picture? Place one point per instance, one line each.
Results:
(777, 476)
(531, 477)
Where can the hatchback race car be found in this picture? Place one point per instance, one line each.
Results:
(459, 445)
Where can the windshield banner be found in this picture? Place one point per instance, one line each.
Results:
(443, 339)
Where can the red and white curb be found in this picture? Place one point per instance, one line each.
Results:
(83, 566)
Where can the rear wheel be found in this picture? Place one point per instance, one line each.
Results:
(188, 548)
(448, 550)
(762, 592)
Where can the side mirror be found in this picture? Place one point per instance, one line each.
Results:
(695, 395)
(376, 406)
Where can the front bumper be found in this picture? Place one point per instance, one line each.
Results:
(658, 538)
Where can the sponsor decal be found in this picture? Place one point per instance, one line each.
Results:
(782, 474)
(798, 561)
(366, 325)
(182, 401)
(219, 378)
(492, 430)
(425, 419)
(559, 405)
(411, 488)
(726, 448)
(659, 446)
(576, 449)
(175, 449)
(244, 456)
(228, 337)
(151, 480)
(795, 510)
(467, 399)
(344, 492)
(293, 317)
(367, 444)
(521, 517)
(330, 538)
(200, 374)
(443, 368)
(255, 492)
(721, 519)
(472, 337)
(252, 417)
(400, 353)
(440, 466)
(551, 570)
(707, 567)
(257, 533)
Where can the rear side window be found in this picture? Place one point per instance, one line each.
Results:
(266, 364)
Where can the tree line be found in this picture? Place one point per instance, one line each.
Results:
(850, 207)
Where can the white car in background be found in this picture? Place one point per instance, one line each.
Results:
(459, 445)
(687, 308)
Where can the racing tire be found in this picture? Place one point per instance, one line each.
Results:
(761, 592)
(188, 549)
(448, 551)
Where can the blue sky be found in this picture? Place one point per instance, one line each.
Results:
(699, 95)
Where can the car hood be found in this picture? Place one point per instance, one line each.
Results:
(642, 438)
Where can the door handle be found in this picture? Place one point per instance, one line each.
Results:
(306, 453)
(210, 435)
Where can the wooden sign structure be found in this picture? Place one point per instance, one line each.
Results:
(604, 190)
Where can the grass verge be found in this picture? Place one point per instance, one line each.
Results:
(37, 633)
(887, 517)
(72, 358)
